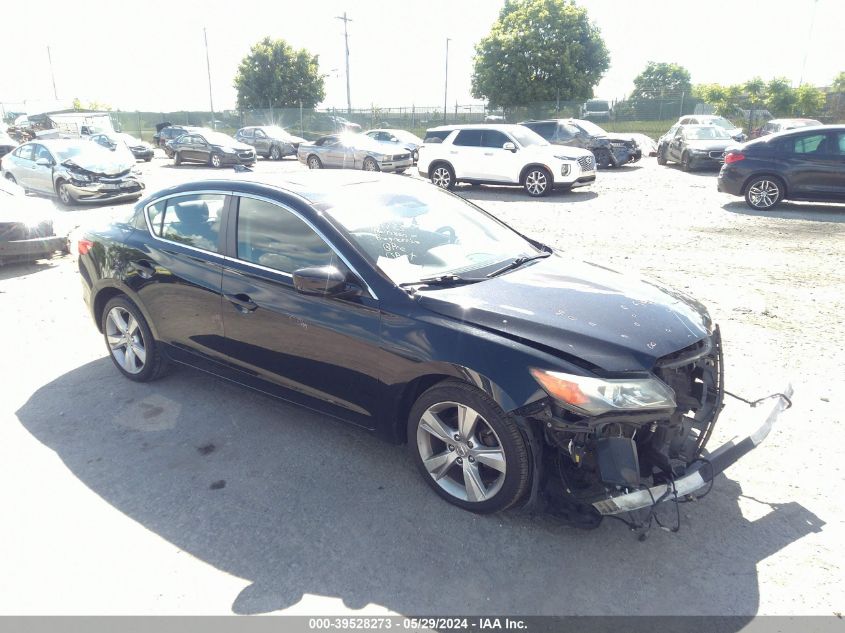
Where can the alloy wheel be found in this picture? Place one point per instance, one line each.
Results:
(461, 452)
(442, 177)
(125, 339)
(64, 194)
(763, 194)
(215, 160)
(275, 153)
(314, 163)
(370, 165)
(536, 182)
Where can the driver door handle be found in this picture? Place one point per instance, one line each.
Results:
(242, 302)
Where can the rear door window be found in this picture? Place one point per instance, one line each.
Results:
(470, 138)
(810, 144)
(494, 138)
(192, 219)
(25, 152)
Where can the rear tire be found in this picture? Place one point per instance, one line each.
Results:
(130, 342)
(467, 449)
(764, 192)
(215, 161)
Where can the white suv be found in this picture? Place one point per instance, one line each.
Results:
(503, 155)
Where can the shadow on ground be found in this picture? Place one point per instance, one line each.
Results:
(496, 193)
(789, 210)
(295, 503)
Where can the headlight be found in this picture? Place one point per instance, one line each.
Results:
(227, 150)
(80, 178)
(594, 396)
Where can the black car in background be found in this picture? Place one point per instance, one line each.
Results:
(213, 148)
(508, 368)
(806, 164)
(171, 133)
(695, 146)
(269, 141)
(112, 140)
(610, 150)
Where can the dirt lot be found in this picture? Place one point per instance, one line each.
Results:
(108, 506)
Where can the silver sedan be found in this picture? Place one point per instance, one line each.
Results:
(354, 151)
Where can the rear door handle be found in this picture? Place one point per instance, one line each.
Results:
(242, 302)
(144, 268)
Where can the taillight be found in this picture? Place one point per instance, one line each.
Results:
(83, 246)
(734, 157)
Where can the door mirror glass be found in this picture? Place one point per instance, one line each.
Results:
(324, 281)
(44, 162)
(509, 146)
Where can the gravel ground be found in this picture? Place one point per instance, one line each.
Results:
(109, 506)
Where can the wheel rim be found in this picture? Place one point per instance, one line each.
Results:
(461, 452)
(314, 163)
(370, 165)
(274, 153)
(763, 194)
(536, 182)
(215, 161)
(126, 342)
(441, 177)
(64, 196)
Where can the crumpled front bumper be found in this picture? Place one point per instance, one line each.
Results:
(127, 188)
(701, 472)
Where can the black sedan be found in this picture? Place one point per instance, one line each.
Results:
(513, 373)
(212, 148)
(806, 164)
(610, 150)
(696, 146)
(140, 149)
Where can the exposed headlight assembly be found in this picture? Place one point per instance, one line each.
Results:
(595, 396)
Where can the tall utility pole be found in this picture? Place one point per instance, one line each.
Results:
(346, 41)
(208, 66)
(446, 84)
(809, 39)
(52, 76)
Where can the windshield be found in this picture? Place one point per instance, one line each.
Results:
(420, 231)
(721, 122)
(94, 157)
(274, 131)
(406, 137)
(218, 138)
(709, 132)
(591, 128)
(527, 137)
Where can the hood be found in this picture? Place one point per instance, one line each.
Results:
(101, 161)
(557, 150)
(608, 320)
(710, 144)
(235, 145)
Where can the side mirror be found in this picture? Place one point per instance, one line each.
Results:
(509, 146)
(44, 162)
(324, 281)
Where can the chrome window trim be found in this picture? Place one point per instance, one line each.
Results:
(179, 195)
(313, 228)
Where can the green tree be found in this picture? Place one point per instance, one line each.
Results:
(755, 89)
(780, 97)
(92, 105)
(725, 99)
(539, 50)
(274, 75)
(809, 101)
(661, 79)
(839, 83)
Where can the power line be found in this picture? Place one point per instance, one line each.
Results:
(346, 42)
(52, 76)
(446, 84)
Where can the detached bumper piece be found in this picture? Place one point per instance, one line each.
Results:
(701, 472)
(30, 249)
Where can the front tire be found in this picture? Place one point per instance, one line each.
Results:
(177, 158)
(764, 192)
(63, 191)
(443, 176)
(686, 162)
(11, 178)
(537, 182)
(661, 156)
(314, 163)
(370, 164)
(215, 161)
(130, 342)
(275, 153)
(467, 449)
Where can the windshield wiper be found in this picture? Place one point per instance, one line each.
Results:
(519, 261)
(443, 280)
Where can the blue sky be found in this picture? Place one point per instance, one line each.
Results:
(150, 55)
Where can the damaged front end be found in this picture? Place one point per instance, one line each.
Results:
(91, 184)
(618, 461)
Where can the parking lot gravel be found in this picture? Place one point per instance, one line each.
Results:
(189, 495)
